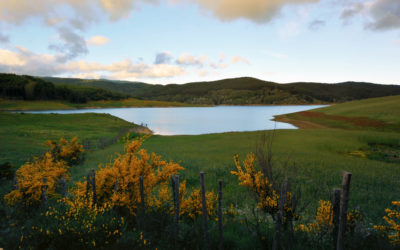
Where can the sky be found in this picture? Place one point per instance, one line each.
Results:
(179, 41)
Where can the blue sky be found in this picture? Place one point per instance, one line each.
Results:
(178, 41)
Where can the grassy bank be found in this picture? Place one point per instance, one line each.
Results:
(379, 114)
(21, 105)
(23, 135)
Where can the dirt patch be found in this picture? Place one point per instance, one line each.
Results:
(299, 123)
(356, 121)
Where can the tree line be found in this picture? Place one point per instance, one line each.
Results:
(31, 88)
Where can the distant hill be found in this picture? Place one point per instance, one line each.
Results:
(124, 87)
(244, 90)
(16, 87)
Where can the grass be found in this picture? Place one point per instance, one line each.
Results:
(23, 135)
(316, 156)
(20, 105)
(381, 114)
(319, 157)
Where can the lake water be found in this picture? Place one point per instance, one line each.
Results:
(201, 120)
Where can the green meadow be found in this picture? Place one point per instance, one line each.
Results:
(23, 135)
(314, 158)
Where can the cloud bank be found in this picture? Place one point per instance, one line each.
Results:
(23, 61)
(380, 15)
(259, 11)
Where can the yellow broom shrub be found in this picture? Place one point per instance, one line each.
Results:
(127, 169)
(70, 152)
(392, 219)
(266, 196)
(30, 180)
(324, 219)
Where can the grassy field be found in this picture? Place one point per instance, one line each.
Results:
(315, 156)
(382, 114)
(23, 135)
(6, 105)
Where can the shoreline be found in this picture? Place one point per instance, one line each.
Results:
(26, 108)
(300, 124)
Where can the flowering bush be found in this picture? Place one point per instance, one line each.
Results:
(31, 177)
(70, 152)
(324, 219)
(118, 183)
(191, 206)
(392, 219)
(266, 196)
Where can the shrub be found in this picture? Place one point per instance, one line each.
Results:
(70, 152)
(31, 177)
(392, 219)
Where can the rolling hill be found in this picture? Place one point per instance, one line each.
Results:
(244, 90)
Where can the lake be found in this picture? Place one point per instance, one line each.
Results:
(201, 120)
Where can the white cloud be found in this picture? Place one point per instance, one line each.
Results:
(98, 40)
(23, 61)
(17, 11)
(385, 14)
(190, 60)
(163, 57)
(69, 46)
(259, 11)
(87, 76)
(10, 58)
(378, 14)
(239, 59)
(218, 65)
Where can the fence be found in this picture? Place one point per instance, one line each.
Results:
(339, 207)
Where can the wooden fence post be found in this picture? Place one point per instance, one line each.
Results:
(116, 186)
(15, 181)
(220, 245)
(344, 203)
(142, 198)
(335, 214)
(204, 204)
(173, 187)
(63, 183)
(280, 214)
(176, 203)
(87, 187)
(44, 193)
(94, 187)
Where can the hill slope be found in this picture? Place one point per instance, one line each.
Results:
(381, 113)
(17, 87)
(244, 90)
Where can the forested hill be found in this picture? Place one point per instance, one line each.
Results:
(17, 87)
(245, 90)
